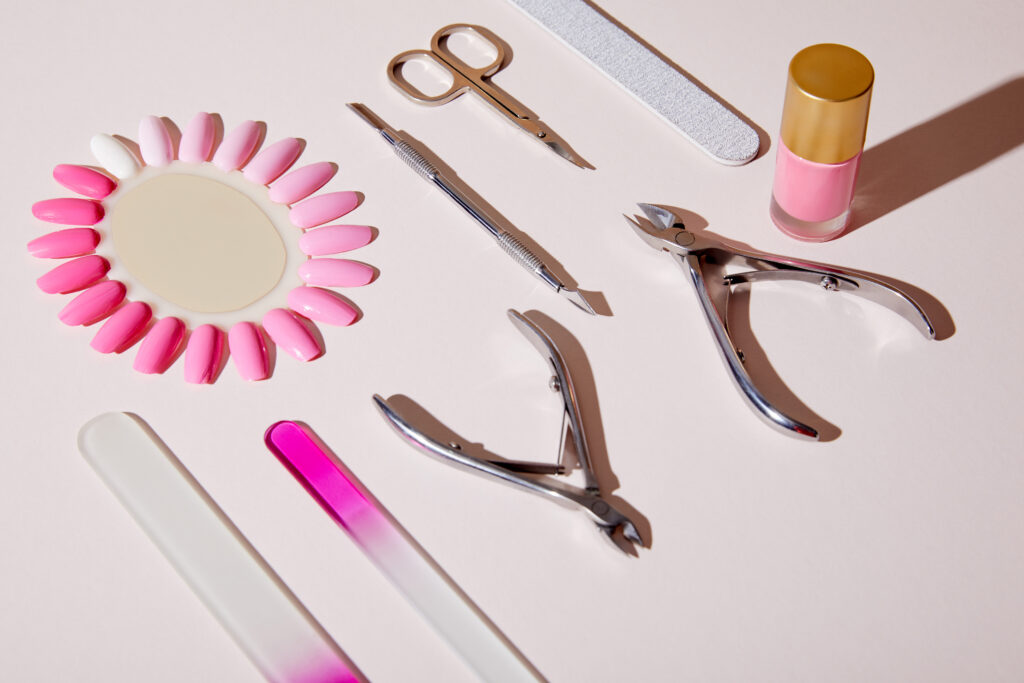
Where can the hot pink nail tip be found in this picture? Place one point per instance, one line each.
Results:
(332, 272)
(272, 161)
(68, 211)
(197, 139)
(321, 305)
(323, 208)
(334, 239)
(290, 335)
(159, 346)
(64, 243)
(122, 327)
(202, 355)
(155, 142)
(237, 146)
(248, 351)
(302, 182)
(74, 275)
(85, 181)
(93, 304)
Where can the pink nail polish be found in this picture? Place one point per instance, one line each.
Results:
(93, 304)
(74, 275)
(158, 348)
(248, 351)
(84, 181)
(120, 330)
(237, 146)
(197, 139)
(155, 142)
(333, 272)
(321, 305)
(272, 161)
(65, 243)
(302, 182)
(334, 239)
(824, 121)
(68, 211)
(202, 355)
(323, 208)
(290, 335)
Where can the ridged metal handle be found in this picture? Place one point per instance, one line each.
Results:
(520, 252)
(416, 161)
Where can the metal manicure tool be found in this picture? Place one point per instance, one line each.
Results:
(507, 241)
(612, 521)
(467, 78)
(704, 258)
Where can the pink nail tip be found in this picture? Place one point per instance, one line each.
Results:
(237, 146)
(68, 211)
(74, 275)
(332, 272)
(302, 182)
(323, 208)
(84, 181)
(290, 335)
(197, 139)
(65, 243)
(248, 351)
(158, 348)
(93, 304)
(155, 142)
(273, 161)
(121, 329)
(334, 239)
(202, 355)
(322, 306)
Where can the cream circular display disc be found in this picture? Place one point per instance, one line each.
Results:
(197, 242)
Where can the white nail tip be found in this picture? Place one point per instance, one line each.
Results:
(114, 156)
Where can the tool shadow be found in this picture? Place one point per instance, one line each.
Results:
(929, 155)
(596, 299)
(756, 361)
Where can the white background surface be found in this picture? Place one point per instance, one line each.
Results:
(893, 552)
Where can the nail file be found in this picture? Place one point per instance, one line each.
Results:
(687, 107)
(399, 557)
(281, 638)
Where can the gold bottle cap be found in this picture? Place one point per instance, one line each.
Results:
(828, 93)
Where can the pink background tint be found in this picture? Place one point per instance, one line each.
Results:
(892, 553)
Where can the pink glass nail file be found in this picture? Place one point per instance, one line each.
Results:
(281, 638)
(399, 557)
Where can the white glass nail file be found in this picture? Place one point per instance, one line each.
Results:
(281, 638)
(399, 557)
(685, 105)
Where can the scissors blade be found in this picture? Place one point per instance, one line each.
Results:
(560, 147)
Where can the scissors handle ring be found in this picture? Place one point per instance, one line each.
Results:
(460, 83)
(439, 47)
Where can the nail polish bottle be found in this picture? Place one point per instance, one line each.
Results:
(824, 120)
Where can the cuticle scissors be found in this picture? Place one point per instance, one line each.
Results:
(467, 78)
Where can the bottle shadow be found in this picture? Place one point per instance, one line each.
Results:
(931, 154)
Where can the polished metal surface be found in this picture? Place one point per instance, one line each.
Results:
(610, 520)
(508, 242)
(466, 78)
(704, 258)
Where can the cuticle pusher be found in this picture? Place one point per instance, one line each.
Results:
(507, 241)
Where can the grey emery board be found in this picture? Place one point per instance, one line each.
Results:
(687, 107)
